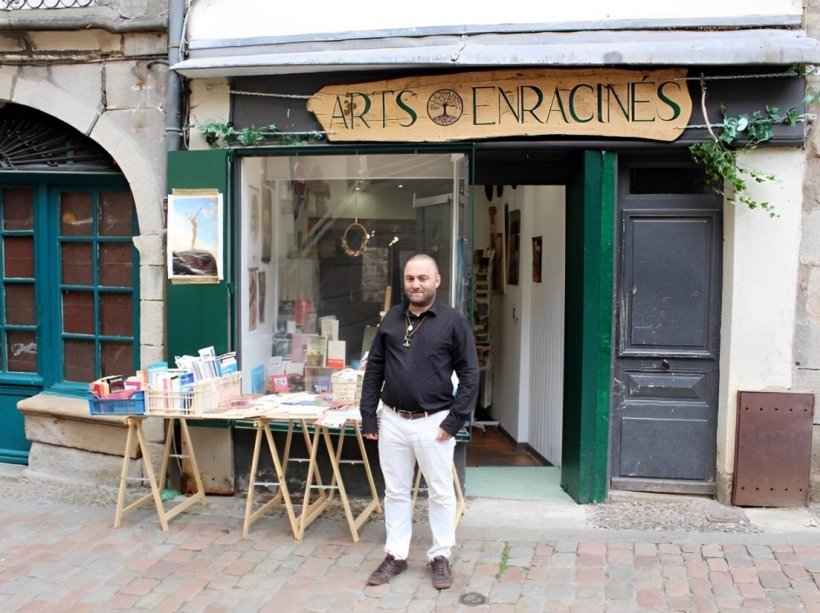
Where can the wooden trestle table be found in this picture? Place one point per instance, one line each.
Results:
(319, 427)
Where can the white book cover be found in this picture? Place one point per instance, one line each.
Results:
(336, 354)
(329, 327)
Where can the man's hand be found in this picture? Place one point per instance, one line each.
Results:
(443, 436)
(372, 436)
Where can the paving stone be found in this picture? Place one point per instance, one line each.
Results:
(200, 565)
(760, 551)
(739, 560)
(773, 579)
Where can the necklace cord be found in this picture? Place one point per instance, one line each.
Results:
(411, 330)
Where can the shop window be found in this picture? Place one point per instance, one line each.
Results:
(68, 309)
(322, 245)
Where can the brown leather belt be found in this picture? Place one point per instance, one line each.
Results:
(412, 414)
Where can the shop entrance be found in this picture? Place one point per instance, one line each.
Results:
(551, 376)
(523, 226)
(521, 214)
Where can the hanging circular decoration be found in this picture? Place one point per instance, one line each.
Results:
(362, 247)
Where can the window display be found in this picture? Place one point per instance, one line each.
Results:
(322, 241)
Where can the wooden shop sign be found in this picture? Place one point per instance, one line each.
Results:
(532, 102)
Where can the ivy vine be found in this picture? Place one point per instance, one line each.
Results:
(717, 156)
(742, 133)
(221, 134)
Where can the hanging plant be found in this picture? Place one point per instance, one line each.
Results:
(718, 156)
(221, 134)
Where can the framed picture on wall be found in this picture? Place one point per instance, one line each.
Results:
(498, 230)
(537, 247)
(194, 249)
(267, 223)
(255, 224)
(513, 247)
(253, 298)
(262, 291)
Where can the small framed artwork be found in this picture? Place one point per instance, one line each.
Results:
(255, 224)
(261, 288)
(267, 223)
(514, 247)
(194, 247)
(253, 298)
(537, 248)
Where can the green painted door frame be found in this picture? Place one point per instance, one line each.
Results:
(591, 197)
(201, 314)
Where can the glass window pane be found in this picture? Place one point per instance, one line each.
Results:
(77, 264)
(115, 214)
(18, 208)
(117, 358)
(78, 312)
(20, 309)
(19, 256)
(76, 214)
(117, 315)
(78, 359)
(115, 264)
(22, 351)
(322, 243)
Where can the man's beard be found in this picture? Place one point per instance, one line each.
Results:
(425, 300)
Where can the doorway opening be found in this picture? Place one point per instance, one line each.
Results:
(519, 413)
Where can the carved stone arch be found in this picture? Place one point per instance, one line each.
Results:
(129, 155)
(32, 141)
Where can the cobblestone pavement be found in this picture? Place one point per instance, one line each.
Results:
(60, 552)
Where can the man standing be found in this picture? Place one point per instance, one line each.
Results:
(418, 346)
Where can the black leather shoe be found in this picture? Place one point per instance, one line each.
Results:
(442, 576)
(388, 569)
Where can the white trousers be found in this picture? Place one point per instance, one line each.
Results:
(402, 444)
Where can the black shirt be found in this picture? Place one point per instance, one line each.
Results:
(418, 377)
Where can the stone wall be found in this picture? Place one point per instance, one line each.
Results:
(807, 334)
(108, 82)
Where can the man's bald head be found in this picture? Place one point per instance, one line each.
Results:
(423, 257)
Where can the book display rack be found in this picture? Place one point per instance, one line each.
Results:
(483, 325)
(482, 305)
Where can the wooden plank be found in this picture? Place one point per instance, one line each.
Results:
(651, 104)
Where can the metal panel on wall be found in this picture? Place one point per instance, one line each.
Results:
(773, 449)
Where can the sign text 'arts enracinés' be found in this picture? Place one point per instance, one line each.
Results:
(624, 103)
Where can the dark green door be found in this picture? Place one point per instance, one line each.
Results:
(68, 291)
(19, 331)
(13, 443)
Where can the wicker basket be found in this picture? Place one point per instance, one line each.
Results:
(346, 385)
(202, 397)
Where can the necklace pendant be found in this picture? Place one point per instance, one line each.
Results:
(406, 343)
(409, 327)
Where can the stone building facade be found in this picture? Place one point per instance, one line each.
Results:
(101, 71)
